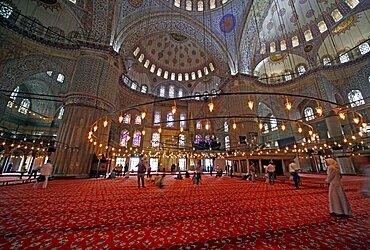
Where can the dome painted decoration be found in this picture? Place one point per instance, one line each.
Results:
(227, 23)
(136, 3)
(344, 25)
(277, 57)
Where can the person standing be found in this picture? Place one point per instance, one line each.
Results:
(34, 171)
(338, 201)
(293, 170)
(252, 170)
(45, 172)
(125, 169)
(148, 175)
(141, 168)
(270, 171)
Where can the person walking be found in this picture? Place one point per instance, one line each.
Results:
(252, 170)
(293, 170)
(270, 171)
(338, 201)
(141, 168)
(45, 172)
(34, 171)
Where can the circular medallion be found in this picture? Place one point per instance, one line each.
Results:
(136, 3)
(227, 23)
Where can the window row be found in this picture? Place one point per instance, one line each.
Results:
(170, 119)
(173, 76)
(126, 119)
(344, 57)
(336, 15)
(170, 92)
(156, 140)
(134, 85)
(198, 5)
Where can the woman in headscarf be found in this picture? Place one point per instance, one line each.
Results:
(338, 202)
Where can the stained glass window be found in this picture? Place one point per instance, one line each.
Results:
(208, 139)
(170, 120)
(263, 48)
(308, 35)
(156, 138)
(352, 3)
(60, 78)
(287, 75)
(61, 113)
(198, 138)
(226, 126)
(177, 3)
(344, 57)
(355, 98)
(136, 139)
(336, 15)
(189, 5)
(364, 48)
(13, 96)
(301, 69)
(199, 125)
(200, 5)
(124, 138)
(295, 41)
(162, 91)
(138, 120)
(181, 140)
(197, 94)
(5, 10)
(49, 73)
(227, 142)
(322, 26)
(309, 114)
(24, 107)
(127, 119)
(212, 4)
(273, 123)
(171, 91)
(180, 93)
(157, 118)
(272, 47)
(134, 85)
(283, 45)
(182, 120)
(326, 61)
(144, 89)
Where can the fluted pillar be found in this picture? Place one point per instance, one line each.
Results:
(90, 97)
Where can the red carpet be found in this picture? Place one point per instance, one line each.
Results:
(220, 214)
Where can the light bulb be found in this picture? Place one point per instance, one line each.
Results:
(160, 130)
(353, 137)
(260, 125)
(364, 124)
(95, 128)
(174, 109)
(310, 132)
(207, 126)
(250, 104)
(143, 132)
(105, 123)
(143, 114)
(300, 130)
(283, 127)
(288, 105)
(211, 106)
(356, 120)
(360, 133)
(345, 140)
(181, 129)
(342, 116)
(319, 110)
(234, 125)
(120, 119)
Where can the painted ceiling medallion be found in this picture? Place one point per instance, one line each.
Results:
(227, 23)
(136, 3)
(344, 25)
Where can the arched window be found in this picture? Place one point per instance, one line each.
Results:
(146, 64)
(326, 61)
(182, 120)
(127, 118)
(263, 48)
(136, 139)
(199, 125)
(355, 98)
(211, 67)
(138, 120)
(157, 118)
(364, 48)
(352, 3)
(177, 3)
(165, 75)
(49, 72)
(193, 76)
(180, 93)
(226, 126)
(173, 76)
(124, 138)
(295, 41)
(198, 138)
(179, 77)
(309, 114)
(186, 76)
(283, 45)
(134, 85)
(159, 72)
(12, 97)
(5, 10)
(144, 88)
(212, 4)
(73, 1)
(181, 140)
(200, 5)
(156, 139)
(162, 91)
(227, 142)
(273, 123)
(60, 78)
(206, 72)
(136, 51)
(152, 68)
(199, 73)
(336, 15)
(287, 75)
(344, 57)
(171, 91)
(266, 128)
(24, 107)
(197, 96)
(322, 26)
(141, 58)
(170, 120)
(272, 47)
(308, 35)
(61, 113)
(301, 69)
(189, 5)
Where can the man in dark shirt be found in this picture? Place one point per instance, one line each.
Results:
(141, 168)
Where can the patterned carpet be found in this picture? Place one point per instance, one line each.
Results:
(221, 213)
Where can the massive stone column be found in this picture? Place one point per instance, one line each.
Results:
(333, 124)
(90, 97)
